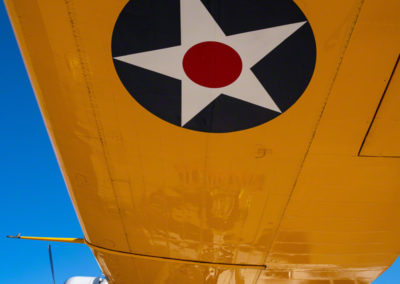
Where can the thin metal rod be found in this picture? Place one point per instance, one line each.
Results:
(47, 239)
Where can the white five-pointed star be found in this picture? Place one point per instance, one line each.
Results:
(197, 26)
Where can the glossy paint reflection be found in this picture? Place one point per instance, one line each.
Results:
(172, 273)
(292, 194)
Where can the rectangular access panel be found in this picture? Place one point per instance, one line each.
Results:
(383, 137)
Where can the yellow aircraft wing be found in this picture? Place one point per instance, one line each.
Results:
(311, 196)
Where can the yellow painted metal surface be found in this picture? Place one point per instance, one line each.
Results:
(292, 194)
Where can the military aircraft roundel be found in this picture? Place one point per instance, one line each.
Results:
(214, 65)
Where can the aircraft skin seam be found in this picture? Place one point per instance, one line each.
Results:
(176, 260)
(346, 44)
(99, 127)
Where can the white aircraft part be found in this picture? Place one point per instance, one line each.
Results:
(86, 280)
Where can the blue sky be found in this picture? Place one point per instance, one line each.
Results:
(33, 194)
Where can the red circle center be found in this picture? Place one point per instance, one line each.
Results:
(212, 64)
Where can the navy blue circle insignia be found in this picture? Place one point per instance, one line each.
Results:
(214, 65)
